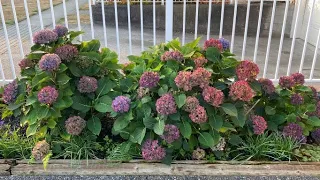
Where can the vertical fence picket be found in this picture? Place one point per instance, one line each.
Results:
(65, 13)
(104, 24)
(28, 20)
(40, 14)
(169, 20)
(234, 24)
(117, 26)
(285, 17)
(52, 15)
(222, 18)
(91, 19)
(246, 31)
(129, 27)
(17, 28)
(258, 32)
(209, 19)
(2, 73)
(154, 22)
(196, 20)
(314, 61)
(184, 22)
(78, 19)
(141, 25)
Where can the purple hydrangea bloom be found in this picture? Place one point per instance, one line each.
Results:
(298, 78)
(149, 79)
(67, 52)
(48, 95)
(10, 92)
(25, 63)
(297, 99)
(314, 92)
(152, 151)
(60, 30)
(267, 85)
(87, 84)
(293, 130)
(74, 125)
(49, 62)
(172, 55)
(1, 123)
(44, 36)
(225, 43)
(316, 135)
(166, 105)
(171, 133)
(286, 82)
(121, 104)
(259, 124)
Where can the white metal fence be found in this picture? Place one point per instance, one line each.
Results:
(14, 40)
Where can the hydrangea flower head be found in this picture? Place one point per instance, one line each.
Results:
(286, 82)
(297, 99)
(49, 62)
(198, 154)
(25, 63)
(314, 92)
(220, 146)
(121, 104)
(40, 150)
(74, 125)
(60, 30)
(183, 80)
(171, 133)
(45, 36)
(48, 95)
(316, 136)
(213, 43)
(87, 84)
(267, 86)
(149, 79)
(225, 43)
(241, 90)
(259, 124)
(200, 77)
(200, 61)
(142, 92)
(10, 92)
(213, 96)
(298, 78)
(247, 70)
(67, 52)
(172, 55)
(151, 150)
(199, 115)
(293, 130)
(166, 105)
(191, 104)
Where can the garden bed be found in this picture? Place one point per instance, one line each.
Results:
(177, 168)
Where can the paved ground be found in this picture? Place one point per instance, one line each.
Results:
(158, 178)
(148, 41)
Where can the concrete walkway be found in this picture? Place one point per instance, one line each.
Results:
(148, 41)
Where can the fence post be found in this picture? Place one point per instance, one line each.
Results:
(169, 20)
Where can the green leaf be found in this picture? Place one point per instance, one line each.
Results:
(213, 54)
(42, 112)
(291, 117)
(62, 68)
(235, 140)
(163, 90)
(270, 110)
(103, 104)
(240, 119)
(125, 84)
(81, 103)
(122, 121)
(104, 86)
(31, 99)
(51, 123)
(94, 125)
(149, 122)
(138, 135)
(40, 78)
(87, 46)
(159, 127)
(193, 43)
(311, 107)
(185, 129)
(14, 106)
(180, 100)
(303, 89)
(216, 122)
(230, 109)
(175, 116)
(146, 99)
(75, 70)
(62, 79)
(31, 130)
(314, 121)
(205, 139)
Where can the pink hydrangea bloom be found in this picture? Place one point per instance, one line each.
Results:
(172, 55)
(297, 99)
(298, 78)
(241, 90)
(213, 43)
(314, 92)
(200, 77)
(267, 86)
(259, 124)
(149, 79)
(48, 95)
(121, 104)
(10, 92)
(87, 84)
(151, 150)
(74, 125)
(183, 80)
(199, 115)
(49, 62)
(200, 61)
(25, 63)
(60, 30)
(213, 96)
(166, 105)
(40, 150)
(247, 70)
(44, 36)
(171, 133)
(67, 52)
(286, 82)
(191, 104)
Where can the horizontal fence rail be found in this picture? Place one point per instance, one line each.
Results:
(281, 36)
